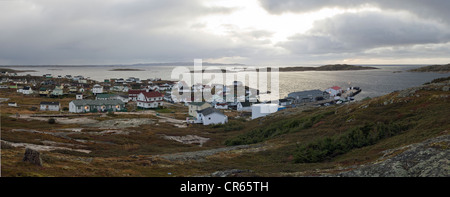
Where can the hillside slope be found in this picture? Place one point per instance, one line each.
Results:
(383, 136)
(323, 141)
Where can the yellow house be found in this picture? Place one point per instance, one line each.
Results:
(196, 106)
(44, 92)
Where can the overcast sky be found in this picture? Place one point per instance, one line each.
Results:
(224, 31)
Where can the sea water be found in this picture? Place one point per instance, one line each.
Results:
(376, 82)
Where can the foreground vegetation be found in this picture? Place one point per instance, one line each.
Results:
(292, 142)
(329, 147)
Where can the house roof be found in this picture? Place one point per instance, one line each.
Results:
(306, 93)
(209, 111)
(49, 103)
(97, 102)
(246, 104)
(123, 96)
(135, 91)
(152, 94)
(197, 103)
(336, 88)
(105, 95)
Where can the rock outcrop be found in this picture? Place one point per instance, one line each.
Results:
(426, 159)
(32, 156)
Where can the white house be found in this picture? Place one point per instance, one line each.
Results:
(165, 87)
(79, 96)
(26, 90)
(182, 86)
(12, 104)
(244, 106)
(196, 106)
(133, 94)
(123, 98)
(57, 91)
(260, 110)
(221, 106)
(211, 116)
(285, 102)
(334, 91)
(197, 87)
(308, 96)
(148, 100)
(97, 89)
(72, 89)
(81, 106)
(50, 106)
(153, 88)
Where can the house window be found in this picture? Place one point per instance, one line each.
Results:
(209, 118)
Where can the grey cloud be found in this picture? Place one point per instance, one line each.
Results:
(353, 32)
(437, 9)
(79, 32)
(104, 31)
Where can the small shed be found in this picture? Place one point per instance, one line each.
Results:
(50, 106)
(260, 110)
(211, 116)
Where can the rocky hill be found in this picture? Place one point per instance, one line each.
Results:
(331, 67)
(433, 68)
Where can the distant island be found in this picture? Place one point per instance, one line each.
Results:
(331, 67)
(14, 71)
(126, 69)
(433, 68)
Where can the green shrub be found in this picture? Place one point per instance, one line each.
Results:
(229, 126)
(279, 128)
(357, 137)
(51, 121)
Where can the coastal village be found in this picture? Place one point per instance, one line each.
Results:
(75, 126)
(85, 96)
(133, 94)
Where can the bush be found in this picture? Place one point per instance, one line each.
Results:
(229, 126)
(358, 137)
(51, 121)
(111, 113)
(276, 129)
